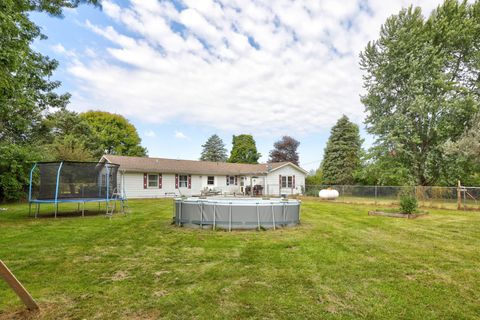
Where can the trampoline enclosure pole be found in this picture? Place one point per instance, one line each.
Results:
(57, 187)
(107, 182)
(30, 185)
(30, 191)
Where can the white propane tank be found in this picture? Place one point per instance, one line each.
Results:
(328, 194)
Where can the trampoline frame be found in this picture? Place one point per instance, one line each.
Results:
(56, 200)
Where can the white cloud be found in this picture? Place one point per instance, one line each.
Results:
(199, 65)
(180, 135)
(150, 134)
(60, 49)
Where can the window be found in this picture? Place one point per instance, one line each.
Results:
(287, 181)
(210, 180)
(182, 181)
(153, 180)
(231, 180)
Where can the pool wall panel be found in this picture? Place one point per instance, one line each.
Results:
(236, 214)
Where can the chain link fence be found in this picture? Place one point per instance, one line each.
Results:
(463, 198)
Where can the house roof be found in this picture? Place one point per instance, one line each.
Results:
(162, 165)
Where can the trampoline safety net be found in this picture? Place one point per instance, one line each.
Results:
(74, 180)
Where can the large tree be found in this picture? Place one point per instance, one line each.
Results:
(285, 150)
(116, 135)
(214, 150)
(26, 89)
(244, 149)
(422, 81)
(341, 158)
(469, 142)
(69, 137)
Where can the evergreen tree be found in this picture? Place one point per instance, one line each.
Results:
(214, 150)
(244, 149)
(285, 150)
(342, 154)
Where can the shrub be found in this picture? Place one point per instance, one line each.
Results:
(408, 203)
(15, 163)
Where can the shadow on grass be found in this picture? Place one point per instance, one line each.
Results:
(69, 214)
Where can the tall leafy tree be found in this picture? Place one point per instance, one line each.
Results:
(469, 142)
(466, 151)
(26, 89)
(115, 134)
(285, 150)
(69, 137)
(314, 178)
(244, 149)
(422, 81)
(341, 158)
(214, 150)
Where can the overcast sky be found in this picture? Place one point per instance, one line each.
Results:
(183, 70)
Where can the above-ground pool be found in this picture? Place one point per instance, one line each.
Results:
(245, 213)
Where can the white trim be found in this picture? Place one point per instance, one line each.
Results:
(289, 164)
(186, 181)
(156, 180)
(213, 184)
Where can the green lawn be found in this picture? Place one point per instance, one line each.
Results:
(339, 263)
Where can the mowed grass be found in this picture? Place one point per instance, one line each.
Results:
(339, 263)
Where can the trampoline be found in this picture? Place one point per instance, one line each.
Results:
(237, 213)
(74, 182)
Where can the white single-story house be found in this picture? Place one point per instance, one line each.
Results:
(142, 177)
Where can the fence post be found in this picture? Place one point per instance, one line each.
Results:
(459, 196)
(376, 187)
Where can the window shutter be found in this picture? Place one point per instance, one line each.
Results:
(235, 180)
(189, 181)
(280, 181)
(145, 181)
(160, 181)
(293, 181)
(228, 180)
(176, 181)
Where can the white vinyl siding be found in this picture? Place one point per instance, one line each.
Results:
(272, 181)
(134, 187)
